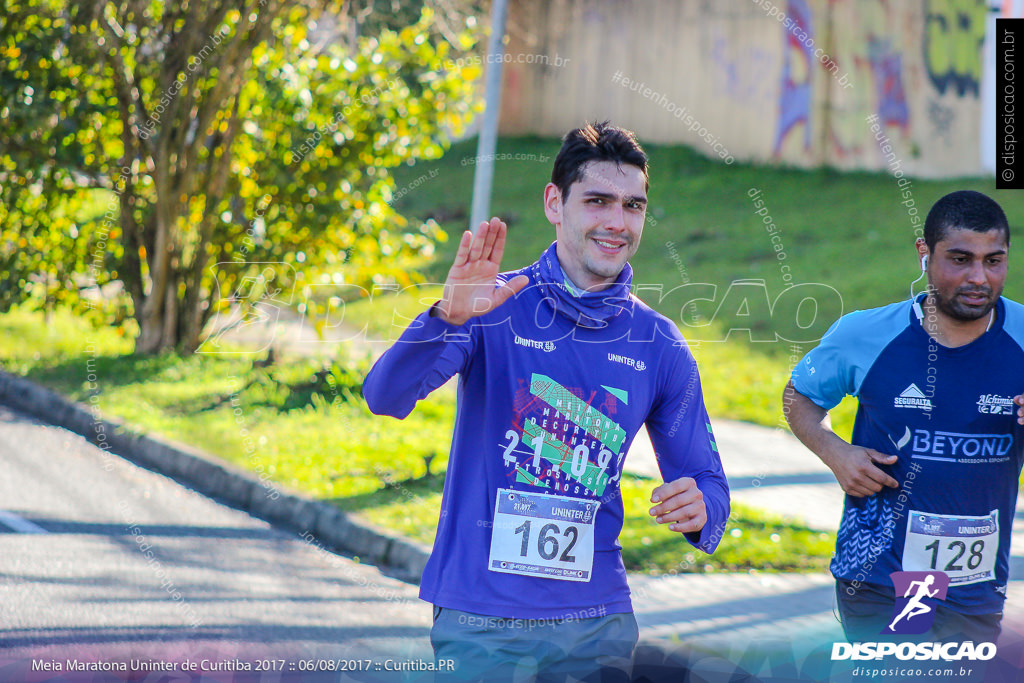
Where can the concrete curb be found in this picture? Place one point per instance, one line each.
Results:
(332, 528)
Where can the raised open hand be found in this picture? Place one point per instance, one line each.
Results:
(470, 288)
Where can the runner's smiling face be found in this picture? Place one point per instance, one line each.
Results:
(598, 226)
(967, 271)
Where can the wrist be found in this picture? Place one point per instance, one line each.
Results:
(437, 311)
(836, 452)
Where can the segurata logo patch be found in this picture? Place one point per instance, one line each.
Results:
(912, 397)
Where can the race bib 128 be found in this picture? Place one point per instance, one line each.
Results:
(965, 548)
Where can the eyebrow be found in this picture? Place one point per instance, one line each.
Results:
(966, 252)
(608, 195)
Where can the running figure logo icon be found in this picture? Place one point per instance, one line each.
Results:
(917, 593)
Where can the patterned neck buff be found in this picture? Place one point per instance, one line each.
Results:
(593, 310)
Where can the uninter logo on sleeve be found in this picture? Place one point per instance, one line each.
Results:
(547, 346)
(639, 365)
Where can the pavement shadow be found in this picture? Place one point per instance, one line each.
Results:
(744, 612)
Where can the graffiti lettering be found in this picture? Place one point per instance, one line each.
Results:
(887, 71)
(795, 94)
(954, 31)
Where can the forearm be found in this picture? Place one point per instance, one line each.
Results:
(419, 362)
(689, 455)
(810, 423)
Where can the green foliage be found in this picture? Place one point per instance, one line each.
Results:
(752, 540)
(301, 384)
(220, 137)
(384, 317)
(328, 128)
(30, 344)
(373, 16)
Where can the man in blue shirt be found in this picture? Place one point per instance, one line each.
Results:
(559, 366)
(931, 473)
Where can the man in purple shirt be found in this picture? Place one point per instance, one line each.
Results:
(559, 366)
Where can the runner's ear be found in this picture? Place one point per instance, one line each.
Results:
(553, 204)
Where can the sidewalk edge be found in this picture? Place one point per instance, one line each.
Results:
(210, 476)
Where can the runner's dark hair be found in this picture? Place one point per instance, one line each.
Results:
(595, 142)
(964, 210)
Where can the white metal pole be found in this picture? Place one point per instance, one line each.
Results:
(488, 140)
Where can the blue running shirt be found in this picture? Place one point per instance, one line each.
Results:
(948, 414)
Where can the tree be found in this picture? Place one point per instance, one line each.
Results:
(210, 139)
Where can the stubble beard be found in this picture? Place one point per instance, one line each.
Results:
(604, 269)
(951, 308)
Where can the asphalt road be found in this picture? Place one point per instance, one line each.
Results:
(104, 563)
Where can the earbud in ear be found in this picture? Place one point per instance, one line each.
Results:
(924, 262)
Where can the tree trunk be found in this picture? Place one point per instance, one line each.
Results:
(171, 301)
(174, 326)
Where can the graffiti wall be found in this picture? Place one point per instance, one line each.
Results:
(785, 81)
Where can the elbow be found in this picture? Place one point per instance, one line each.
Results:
(389, 410)
(789, 397)
(374, 397)
(373, 403)
(378, 403)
